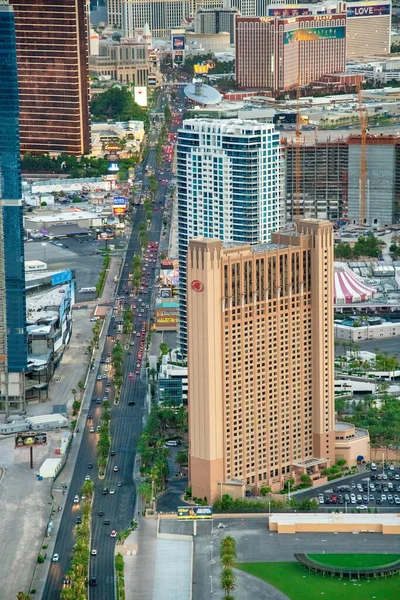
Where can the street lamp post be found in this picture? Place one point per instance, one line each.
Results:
(211, 584)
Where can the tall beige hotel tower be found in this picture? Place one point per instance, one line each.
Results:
(260, 352)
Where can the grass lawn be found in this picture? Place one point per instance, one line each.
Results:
(355, 560)
(297, 583)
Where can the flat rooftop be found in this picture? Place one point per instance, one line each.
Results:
(62, 217)
(317, 518)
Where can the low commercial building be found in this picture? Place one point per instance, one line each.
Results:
(50, 468)
(83, 184)
(172, 383)
(352, 444)
(318, 522)
(44, 221)
(358, 332)
(132, 132)
(49, 327)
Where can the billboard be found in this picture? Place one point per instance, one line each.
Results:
(368, 9)
(105, 235)
(288, 11)
(119, 200)
(201, 68)
(195, 512)
(178, 42)
(165, 292)
(141, 96)
(30, 438)
(113, 168)
(311, 34)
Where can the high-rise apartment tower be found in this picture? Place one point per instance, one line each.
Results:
(52, 58)
(229, 186)
(161, 15)
(13, 341)
(260, 358)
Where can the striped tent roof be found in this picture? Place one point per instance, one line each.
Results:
(349, 287)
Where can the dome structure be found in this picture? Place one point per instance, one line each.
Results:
(349, 287)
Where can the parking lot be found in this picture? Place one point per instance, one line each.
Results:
(378, 489)
(70, 256)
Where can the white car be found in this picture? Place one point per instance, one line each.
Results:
(76, 499)
(362, 507)
(112, 491)
(113, 533)
(55, 557)
(87, 478)
(91, 430)
(94, 552)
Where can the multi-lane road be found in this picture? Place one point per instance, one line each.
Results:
(126, 426)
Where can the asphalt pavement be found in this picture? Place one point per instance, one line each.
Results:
(126, 426)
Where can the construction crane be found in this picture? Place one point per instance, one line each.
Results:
(296, 211)
(363, 115)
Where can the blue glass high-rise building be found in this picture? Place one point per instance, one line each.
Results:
(229, 187)
(13, 342)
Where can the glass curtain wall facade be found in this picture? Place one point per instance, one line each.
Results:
(229, 187)
(52, 58)
(11, 233)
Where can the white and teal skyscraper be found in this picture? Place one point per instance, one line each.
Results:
(230, 186)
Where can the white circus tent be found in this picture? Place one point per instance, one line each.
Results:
(349, 287)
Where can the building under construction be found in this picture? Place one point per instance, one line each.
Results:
(330, 179)
(382, 180)
(323, 171)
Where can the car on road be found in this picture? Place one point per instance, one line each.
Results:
(90, 466)
(115, 469)
(131, 403)
(92, 430)
(55, 557)
(112, 453)
(105, 491)
(106, 522)
(130, 375)
(112, 491)
(94, 552)
(113, 534)
(87, 478)
(119, 484)
(98, 400)
(98, 377)
(76, 499)
(78, 520)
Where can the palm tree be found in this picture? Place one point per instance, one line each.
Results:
(74, 392)
(145, 491)
(227, 561)
(181, 459)
(228, 581)
(81, 387)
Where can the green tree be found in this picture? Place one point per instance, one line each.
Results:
(167, 114)
(81, 387)
(117, 104)
(23, 596)
(181, 459)
(74, 392)
(164, 349)
(228, 581)
(144, 491)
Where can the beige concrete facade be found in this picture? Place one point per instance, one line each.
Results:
(260, 352)
(388, 523)
(350, 443)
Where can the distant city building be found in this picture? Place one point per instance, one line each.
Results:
(229, 186)
(260, 361)
(127, 61)
(13, 339)
(382, 180)
(114, 12)
(204, 43)
(52, 58)
(323, 179)
(276, 54)
(161, 15)
(216, 20)
(368, 26)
